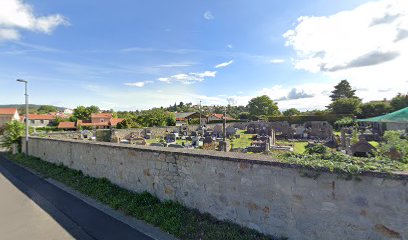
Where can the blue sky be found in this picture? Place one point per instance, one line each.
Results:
(130, 55)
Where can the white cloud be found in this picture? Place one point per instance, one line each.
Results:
(189, 78)
(367, 45)
(224, 64)
(16, 15)
(208, 15)
(229, 46)
(277, 61)
(138, 84)
(175, 65)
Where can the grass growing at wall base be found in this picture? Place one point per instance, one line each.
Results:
(169, 216)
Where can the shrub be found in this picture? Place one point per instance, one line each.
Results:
(13, 131)
(316, 149)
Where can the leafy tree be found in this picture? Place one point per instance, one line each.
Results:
(344, 122)
(346, 106)
(262, 105)
(170, 119)
(153, 118)
(84, 113)
(128, 122)
(44, 109)
(375, 109)
(291, 112)
(342, 90)
(244, 115)
(399, 102)
(13, 131)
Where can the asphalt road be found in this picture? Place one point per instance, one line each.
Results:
(47, 212)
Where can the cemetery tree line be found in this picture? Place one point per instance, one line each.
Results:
(344, 101)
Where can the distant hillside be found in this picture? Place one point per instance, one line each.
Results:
(32, 107)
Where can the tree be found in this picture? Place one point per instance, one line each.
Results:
(342, 90)
(84, 113)
(346, 106)
(13, 131)
(44, 109)
(170, 119)
(344, 122)
(373, 109)
(128, 122)
(399, 102)
(262, 105)
(244, 116)
(290, 112)
(153, 118)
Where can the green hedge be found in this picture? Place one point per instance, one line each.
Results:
(331, 118)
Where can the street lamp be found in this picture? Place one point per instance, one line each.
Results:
(26, 114)
(200, 112)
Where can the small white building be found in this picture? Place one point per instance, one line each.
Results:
(68, 111)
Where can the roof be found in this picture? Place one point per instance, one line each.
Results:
(41, 117)
(217, 115)
(220, 116)
(183, 115)
(70, 125)
(101, 115)
(400, 116)
(8, 111)
(115, 121)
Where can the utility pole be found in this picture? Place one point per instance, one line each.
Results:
(199, 108)
(26, 115)
(224, 123)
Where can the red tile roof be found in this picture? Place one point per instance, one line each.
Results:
(115, 121)
(8, 111)
(218, 115)
(41, 117)
(68, 125)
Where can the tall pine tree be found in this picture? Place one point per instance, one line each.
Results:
(342, 90)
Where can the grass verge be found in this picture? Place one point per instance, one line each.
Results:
(171, 217)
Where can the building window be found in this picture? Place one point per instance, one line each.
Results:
(42, 121)
(102, 120)
(32, 121)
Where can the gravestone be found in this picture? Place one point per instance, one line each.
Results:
(230, 131)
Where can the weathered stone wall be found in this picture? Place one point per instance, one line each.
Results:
(252, 190)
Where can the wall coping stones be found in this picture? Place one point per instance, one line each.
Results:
(231, 156)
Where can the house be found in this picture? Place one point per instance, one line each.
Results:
(68, 111)
(98, 120)
(7, 115)
(216, 117)
(186, 117)
(40, 120)
(101, 117)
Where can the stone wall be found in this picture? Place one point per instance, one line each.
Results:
(251, 190)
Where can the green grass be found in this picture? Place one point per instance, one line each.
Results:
(298, 147)
(171, 217)
(244, 141)
(374, 144)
